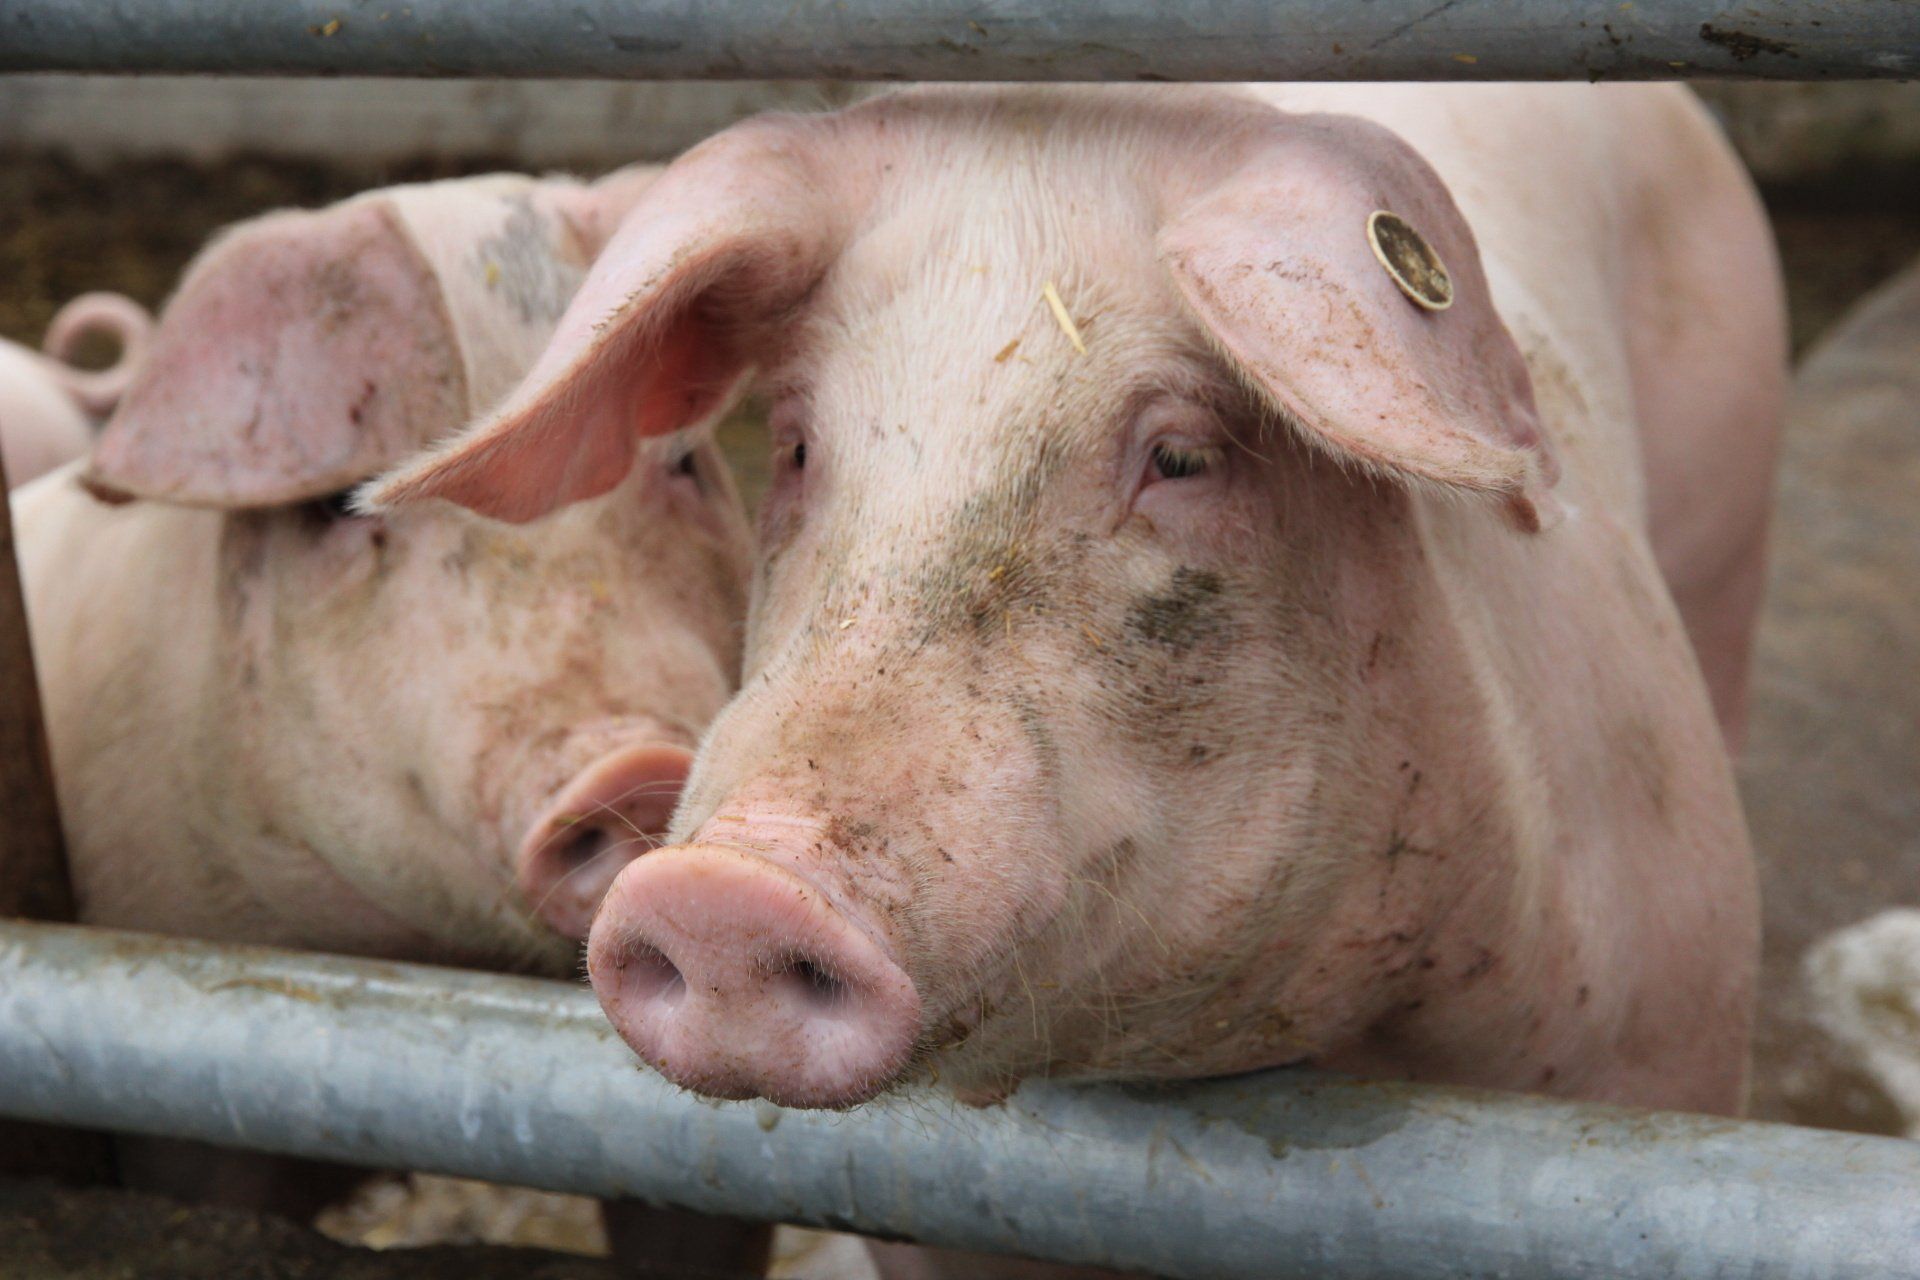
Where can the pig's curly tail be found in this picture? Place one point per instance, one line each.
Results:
(98, 390)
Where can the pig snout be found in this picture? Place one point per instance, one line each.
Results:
(737, 979)
(613, 811)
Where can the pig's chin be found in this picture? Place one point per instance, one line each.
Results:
(813, 1075)
(545, 955)
(826, 1092)
(821, 1080)
(347, 902)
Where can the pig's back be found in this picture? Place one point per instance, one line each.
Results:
(103, 579)
(40, 425)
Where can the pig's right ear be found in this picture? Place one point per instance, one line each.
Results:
(1335, 272)
(302, 353)
(657, 339)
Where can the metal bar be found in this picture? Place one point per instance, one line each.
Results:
(976, 39)
(521, 1080)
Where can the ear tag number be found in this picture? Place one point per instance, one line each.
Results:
(1410, 260)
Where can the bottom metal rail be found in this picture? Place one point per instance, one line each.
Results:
(1280, 1175)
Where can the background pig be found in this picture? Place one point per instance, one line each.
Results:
(1832, 773)
(1227, 661)
(45, 400)
(425, 736)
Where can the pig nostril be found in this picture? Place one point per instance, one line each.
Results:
(649, 975)
(583, 847)
(819, 987)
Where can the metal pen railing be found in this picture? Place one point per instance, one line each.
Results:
(1257, 1178)
(976, 40)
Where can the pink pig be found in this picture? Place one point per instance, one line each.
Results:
(45, 401)
(422, 735)
(1196, 627)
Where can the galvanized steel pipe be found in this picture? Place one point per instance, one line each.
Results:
(520, 1080)
(975, 40)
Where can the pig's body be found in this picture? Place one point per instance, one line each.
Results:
(1832, 780)
(41, 426)
(426, 737)
(1098, 724)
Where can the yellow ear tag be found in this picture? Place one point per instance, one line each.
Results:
(1410, 260)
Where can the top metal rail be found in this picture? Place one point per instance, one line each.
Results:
(1058, 40)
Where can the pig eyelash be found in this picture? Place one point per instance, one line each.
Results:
(687, 467)
(331, 508)
(791, 442)
(791, 450)
(1171, 461)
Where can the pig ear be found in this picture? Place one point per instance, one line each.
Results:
(302, 353)
(656, 339)
(596, 211)
(1299, 283)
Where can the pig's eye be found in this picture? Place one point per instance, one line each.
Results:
(687, 467)
(787, 425)
(1180, 462)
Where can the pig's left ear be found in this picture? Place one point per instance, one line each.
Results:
(1333, 268)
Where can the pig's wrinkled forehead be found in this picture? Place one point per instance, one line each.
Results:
(1071, 152)
(986, 197)
(1170, 120)
(946, 303)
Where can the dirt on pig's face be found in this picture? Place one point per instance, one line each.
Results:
(1077, 670)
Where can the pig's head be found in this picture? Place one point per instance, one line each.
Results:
(438, 736)
(1089, 715)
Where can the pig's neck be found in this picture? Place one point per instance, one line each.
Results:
(162, 836)
(123, 651)
(1578, 890)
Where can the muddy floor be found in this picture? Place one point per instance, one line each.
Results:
(49, 1233)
